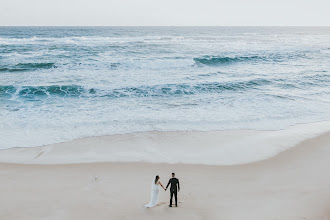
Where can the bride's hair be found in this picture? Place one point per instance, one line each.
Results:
(156, 179)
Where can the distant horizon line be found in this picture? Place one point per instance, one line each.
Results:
(164, 25)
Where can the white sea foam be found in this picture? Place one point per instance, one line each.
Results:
(60, 84)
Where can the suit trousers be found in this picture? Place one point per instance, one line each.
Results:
(175, 193)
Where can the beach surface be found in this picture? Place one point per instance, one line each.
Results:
(293, 185)
(89, 116)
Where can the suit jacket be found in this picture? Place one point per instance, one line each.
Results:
(174, 184)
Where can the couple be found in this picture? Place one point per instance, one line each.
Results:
(175, 187)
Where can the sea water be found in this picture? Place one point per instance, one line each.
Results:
(63, 83)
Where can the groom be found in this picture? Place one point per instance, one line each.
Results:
(175, 187)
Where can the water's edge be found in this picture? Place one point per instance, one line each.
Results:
(228, 147)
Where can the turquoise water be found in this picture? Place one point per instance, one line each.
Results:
(62, 83)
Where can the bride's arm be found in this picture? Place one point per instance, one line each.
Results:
(162, 185)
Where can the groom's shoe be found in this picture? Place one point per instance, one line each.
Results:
(170, 206)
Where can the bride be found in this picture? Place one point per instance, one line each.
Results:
(154, 192)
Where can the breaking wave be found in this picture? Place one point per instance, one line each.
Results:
(216, 60)
(141, 91)
(27, 67)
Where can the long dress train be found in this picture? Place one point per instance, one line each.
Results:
(154, 195)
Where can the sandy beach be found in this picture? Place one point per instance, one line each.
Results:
(235, 102)
(295, 184)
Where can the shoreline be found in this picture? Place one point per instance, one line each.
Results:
(293, 185)
(228, 147)
(326, 121)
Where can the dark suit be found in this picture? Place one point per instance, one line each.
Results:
(175, 186)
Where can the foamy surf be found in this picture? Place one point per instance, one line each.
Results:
(63, 83)
(210, 148)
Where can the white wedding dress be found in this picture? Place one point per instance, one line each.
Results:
(154, 195)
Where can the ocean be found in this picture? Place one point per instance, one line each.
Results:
(62, 83)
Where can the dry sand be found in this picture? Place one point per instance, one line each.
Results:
(293, 185)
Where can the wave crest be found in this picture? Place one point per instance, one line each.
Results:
(217, 60)
(142, 91)
(27, 67)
